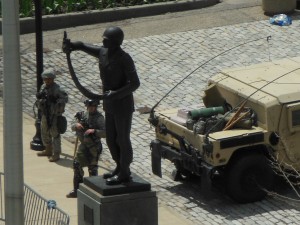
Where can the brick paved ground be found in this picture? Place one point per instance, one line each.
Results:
(162, 61)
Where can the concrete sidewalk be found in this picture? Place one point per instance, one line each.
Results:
(54, 180)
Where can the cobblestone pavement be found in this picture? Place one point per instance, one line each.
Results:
(162, 61)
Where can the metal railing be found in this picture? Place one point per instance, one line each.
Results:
(2, 206)
(37, 210)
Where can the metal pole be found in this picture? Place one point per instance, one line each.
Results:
(39, 43)
(36, 143)
(12, 115)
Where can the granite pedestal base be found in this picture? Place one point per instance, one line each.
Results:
(126, 204)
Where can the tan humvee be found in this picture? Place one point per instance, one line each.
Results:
(268, 96)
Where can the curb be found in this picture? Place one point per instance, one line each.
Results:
(53, 22)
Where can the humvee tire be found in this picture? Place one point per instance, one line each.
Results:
(248, 177)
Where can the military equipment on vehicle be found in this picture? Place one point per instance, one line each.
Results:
(257, 131)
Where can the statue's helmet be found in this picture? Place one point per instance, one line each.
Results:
(114, 34)
(91, 102)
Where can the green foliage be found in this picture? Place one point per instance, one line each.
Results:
(27, 7)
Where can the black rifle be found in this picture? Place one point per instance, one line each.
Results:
(48, 100)
(85, 124)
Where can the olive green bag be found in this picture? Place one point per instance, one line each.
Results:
(62, 124)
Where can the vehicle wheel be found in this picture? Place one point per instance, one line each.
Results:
(247, 177)
(180, 173)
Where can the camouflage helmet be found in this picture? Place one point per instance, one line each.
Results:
(48, 74)
(91, 102)
(114, 34)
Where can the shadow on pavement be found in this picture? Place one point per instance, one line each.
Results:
(216, 202)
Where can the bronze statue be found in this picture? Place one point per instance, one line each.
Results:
(119, 81)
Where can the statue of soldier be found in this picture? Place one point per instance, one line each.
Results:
(90, 128)
(51, 101)
(119, 81)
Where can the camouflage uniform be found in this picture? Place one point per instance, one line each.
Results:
(90, 146)
(51, 103)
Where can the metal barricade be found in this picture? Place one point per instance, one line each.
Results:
(2, 206)
(37, 210)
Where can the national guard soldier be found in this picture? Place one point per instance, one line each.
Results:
(51, 101)
(90, 128)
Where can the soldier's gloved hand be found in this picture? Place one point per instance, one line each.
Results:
(89, 131)
(40, 95)
(79, 126)
(109, 94)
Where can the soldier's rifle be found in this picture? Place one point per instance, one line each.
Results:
(79, 117)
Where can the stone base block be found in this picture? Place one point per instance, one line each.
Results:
(127, 208)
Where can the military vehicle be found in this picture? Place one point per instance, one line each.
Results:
(246, 133)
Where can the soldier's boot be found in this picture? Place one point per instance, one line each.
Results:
(93, 171)
(78, 178)
(55, 157)
(46, 152)
(72, 194)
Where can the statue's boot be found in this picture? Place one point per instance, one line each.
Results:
(120, 178)
(46, 152)
(113, 173)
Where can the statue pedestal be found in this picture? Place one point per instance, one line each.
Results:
(127, 204)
